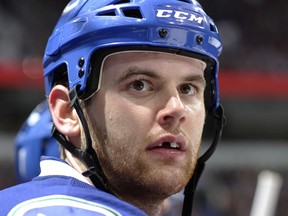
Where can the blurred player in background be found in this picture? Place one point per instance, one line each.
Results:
(34, 140)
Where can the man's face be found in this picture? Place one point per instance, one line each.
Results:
(147, 121)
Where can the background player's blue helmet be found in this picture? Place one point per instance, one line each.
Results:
(33, 140)
(89, 30)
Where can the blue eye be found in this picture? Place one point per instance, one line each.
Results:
(187, 89)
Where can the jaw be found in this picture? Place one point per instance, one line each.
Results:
(150, 193)
(152, 183)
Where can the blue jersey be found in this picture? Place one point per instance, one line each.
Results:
(61, 190)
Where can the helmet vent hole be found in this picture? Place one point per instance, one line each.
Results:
(213, 28)
(121, 2)
(187, 1)
(107, 13)
(132, 12)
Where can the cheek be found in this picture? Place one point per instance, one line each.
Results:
(196, 107)
(126, 117)
(196, 111)
(196, 118)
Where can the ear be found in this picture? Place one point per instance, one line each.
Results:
(64, 117)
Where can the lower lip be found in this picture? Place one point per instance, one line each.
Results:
(166, 153)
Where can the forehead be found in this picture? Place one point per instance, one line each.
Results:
(150, 60)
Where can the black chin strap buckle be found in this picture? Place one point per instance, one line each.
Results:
(92, 171)
(97, 179)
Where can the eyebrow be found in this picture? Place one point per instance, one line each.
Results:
(132, 71)
(138, 71)
(199, 78)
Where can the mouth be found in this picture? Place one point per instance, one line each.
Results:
(168, 146)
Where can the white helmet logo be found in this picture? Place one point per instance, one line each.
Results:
(179, 15)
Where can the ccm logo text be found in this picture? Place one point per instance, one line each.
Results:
(179, 15)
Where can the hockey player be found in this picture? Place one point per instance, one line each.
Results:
(129, 85)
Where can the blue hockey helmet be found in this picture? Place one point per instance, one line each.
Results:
(33, 140)
(89, 30)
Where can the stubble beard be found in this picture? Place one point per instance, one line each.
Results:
(130, 176)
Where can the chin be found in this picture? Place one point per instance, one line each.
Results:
(167, 184)
(164, 190)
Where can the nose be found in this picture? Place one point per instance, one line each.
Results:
(173, 113)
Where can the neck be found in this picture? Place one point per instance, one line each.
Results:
(148, 202)
(77, 165)
(149, 205)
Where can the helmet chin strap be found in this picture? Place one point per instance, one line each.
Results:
(88, 156)
(190, 188)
